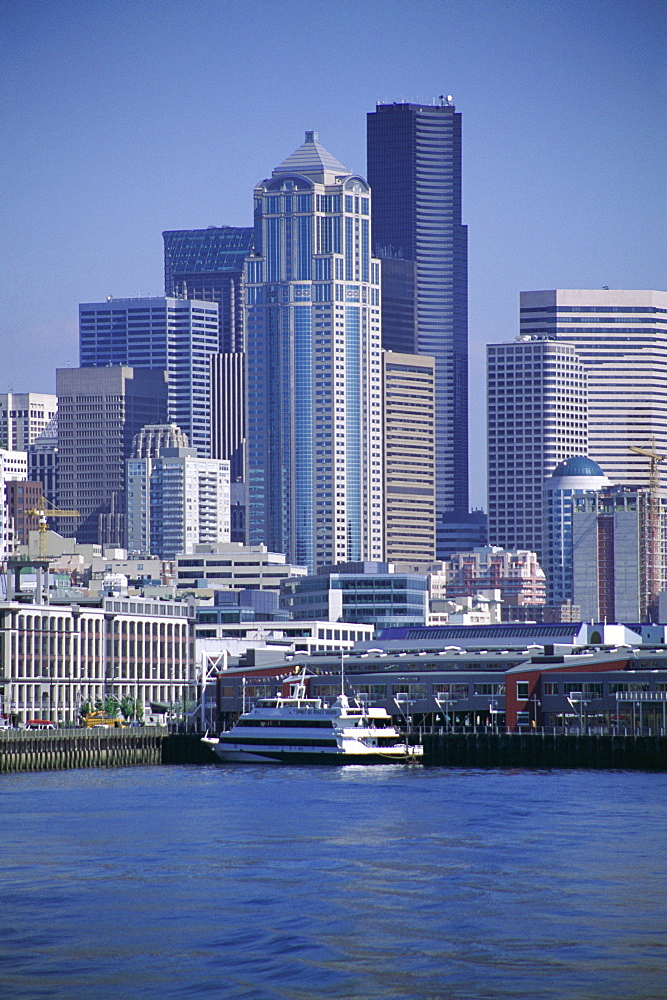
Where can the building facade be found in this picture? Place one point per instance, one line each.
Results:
(167, 334)
(409, 460)
(175, 501)
(616, 575)
(23, 417)
(234, 567)
(55, 657)
(537, 417)
(574, 477)
(414, 170)
(100, 410)
(621, 340)
(208, 264)
(314, 397)
(13, 468)
(363, 592)
(517, 575)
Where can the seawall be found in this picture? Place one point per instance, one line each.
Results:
(636, 753)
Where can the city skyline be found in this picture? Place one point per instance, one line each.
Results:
(135, 140)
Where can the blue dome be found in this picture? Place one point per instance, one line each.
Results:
(578, 466)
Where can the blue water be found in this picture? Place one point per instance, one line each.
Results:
(385, 883)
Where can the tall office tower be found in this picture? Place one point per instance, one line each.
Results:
(575, 477)
(414, 170)
(621, 338)
(23, 417)
(537, 417)
(175, 500)
(208, 264)
(409, 460)
(314, 406)
(99, 412)
(174, 335)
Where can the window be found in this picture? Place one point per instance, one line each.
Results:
(522, 690)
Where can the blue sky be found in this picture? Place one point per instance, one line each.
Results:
(119, 119)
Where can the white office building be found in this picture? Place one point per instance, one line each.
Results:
(621, 339)
(23, 417)
(537, 417)
(175, 499)
(13, 466)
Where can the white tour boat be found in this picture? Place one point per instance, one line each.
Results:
(300, 730)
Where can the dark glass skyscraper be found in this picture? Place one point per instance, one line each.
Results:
(207, 264)
(414, 171)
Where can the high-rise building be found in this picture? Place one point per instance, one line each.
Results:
(314, 371)
(576, 476)
(99, 412)
(414, 170)
(178, 336)
(612, 564)
(175, 499)
(621, 339)
(23, 417)
(208, 264)
(537, 417)
(409, 460)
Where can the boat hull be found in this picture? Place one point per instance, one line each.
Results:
(230, 755)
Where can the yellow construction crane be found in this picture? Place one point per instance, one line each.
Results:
(652, 547)
(43, 512)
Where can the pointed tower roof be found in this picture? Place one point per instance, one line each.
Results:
(313, 160)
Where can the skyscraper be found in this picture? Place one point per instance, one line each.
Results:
(173, 335)
(621, 339)
(99, 412)
(208, 264)
(409, 466)
(314, 406)
(537, 417)
(414, 170)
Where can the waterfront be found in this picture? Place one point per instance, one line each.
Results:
(386, 883)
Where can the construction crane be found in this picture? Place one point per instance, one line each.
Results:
(43, 512)
(652, 545)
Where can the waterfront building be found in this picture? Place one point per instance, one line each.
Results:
(99, 412)
(359, 592)
(617, 572)
(414, 170)
(537, 417)
(233, 566)
(409, 460)
(621, 339)
(208, 264)
(55, 657)
(175, 499)
(575, 476)
(168, 334)
(23, 417)
(314, 397)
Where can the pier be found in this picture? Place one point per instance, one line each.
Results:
(545, 750)
(49, 750)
